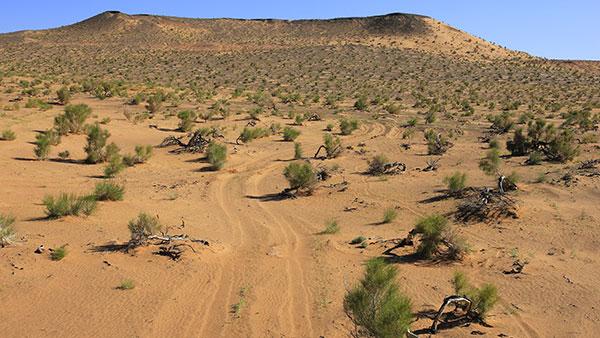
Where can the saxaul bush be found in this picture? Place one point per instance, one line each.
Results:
(456, 182)
(483, 298)
(72, 121)
(69, 205)
(96, 143)
(141, 228)
(376, 306)
(301, 177)
(186, 120)
(216, 154)
(347, 126)
(290, 134)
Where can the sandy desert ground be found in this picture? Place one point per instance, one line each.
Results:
(268, 271)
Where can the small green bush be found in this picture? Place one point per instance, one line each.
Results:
(216, 155)
(8, 135)
(376, 306)
(7, 232)
(69, 205)
(109, 191)
(331, 227)
(490, 164)
(377, 165)
(64, 95)
(389, 215)
(96, 142)
(361, 104)
(333, 145)
(114, 167)
(142, 154)
(483, 298)
(431, 229)
(357, 240)
(290, 134)
(126, 284)
(456, 182)
(250, 133)
(298, 151)
(301, 176)
(73, 119)
(59, 253)
(42, 146)
(347, 126)
(142, 228)
(186, 120)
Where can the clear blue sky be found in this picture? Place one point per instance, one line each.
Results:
(566, 29)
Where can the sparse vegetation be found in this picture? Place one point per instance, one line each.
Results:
(8, 135)
(69, 205)
(109, 191)
(389, 215)
(456, 182)
(7, 231)
(331, 227)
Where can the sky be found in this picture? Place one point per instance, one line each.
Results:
(556, 29)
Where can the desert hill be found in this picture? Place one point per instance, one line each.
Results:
(148, 31)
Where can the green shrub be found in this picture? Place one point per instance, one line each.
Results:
(126, 284)
(431, 229)
(331, 227)
(154, 102)
(562, 148)
(186, 120)
(216, 154)
(142, 154)
(299, 119)
(376, 306)
(73, 119)
(361, 104)
(8, 135)
(96, 142)
(109, 191)
(456, 182)
(142, 228)
(37, 103)
(502, 123)
(347, 126)
(437, 144)
(389, 215)
(490, 164)
(301, 176)
(290, 134)
(64, 95)
(115, 166)
(69, 205)
(42, 146)
(483, 298)
(411, 122)
(357, 240)
(250, 133)
(7, 232)
(297, 151)
(377, 165)
(333, 145)
(59, 253)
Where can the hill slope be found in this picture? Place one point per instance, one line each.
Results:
(137, 31)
